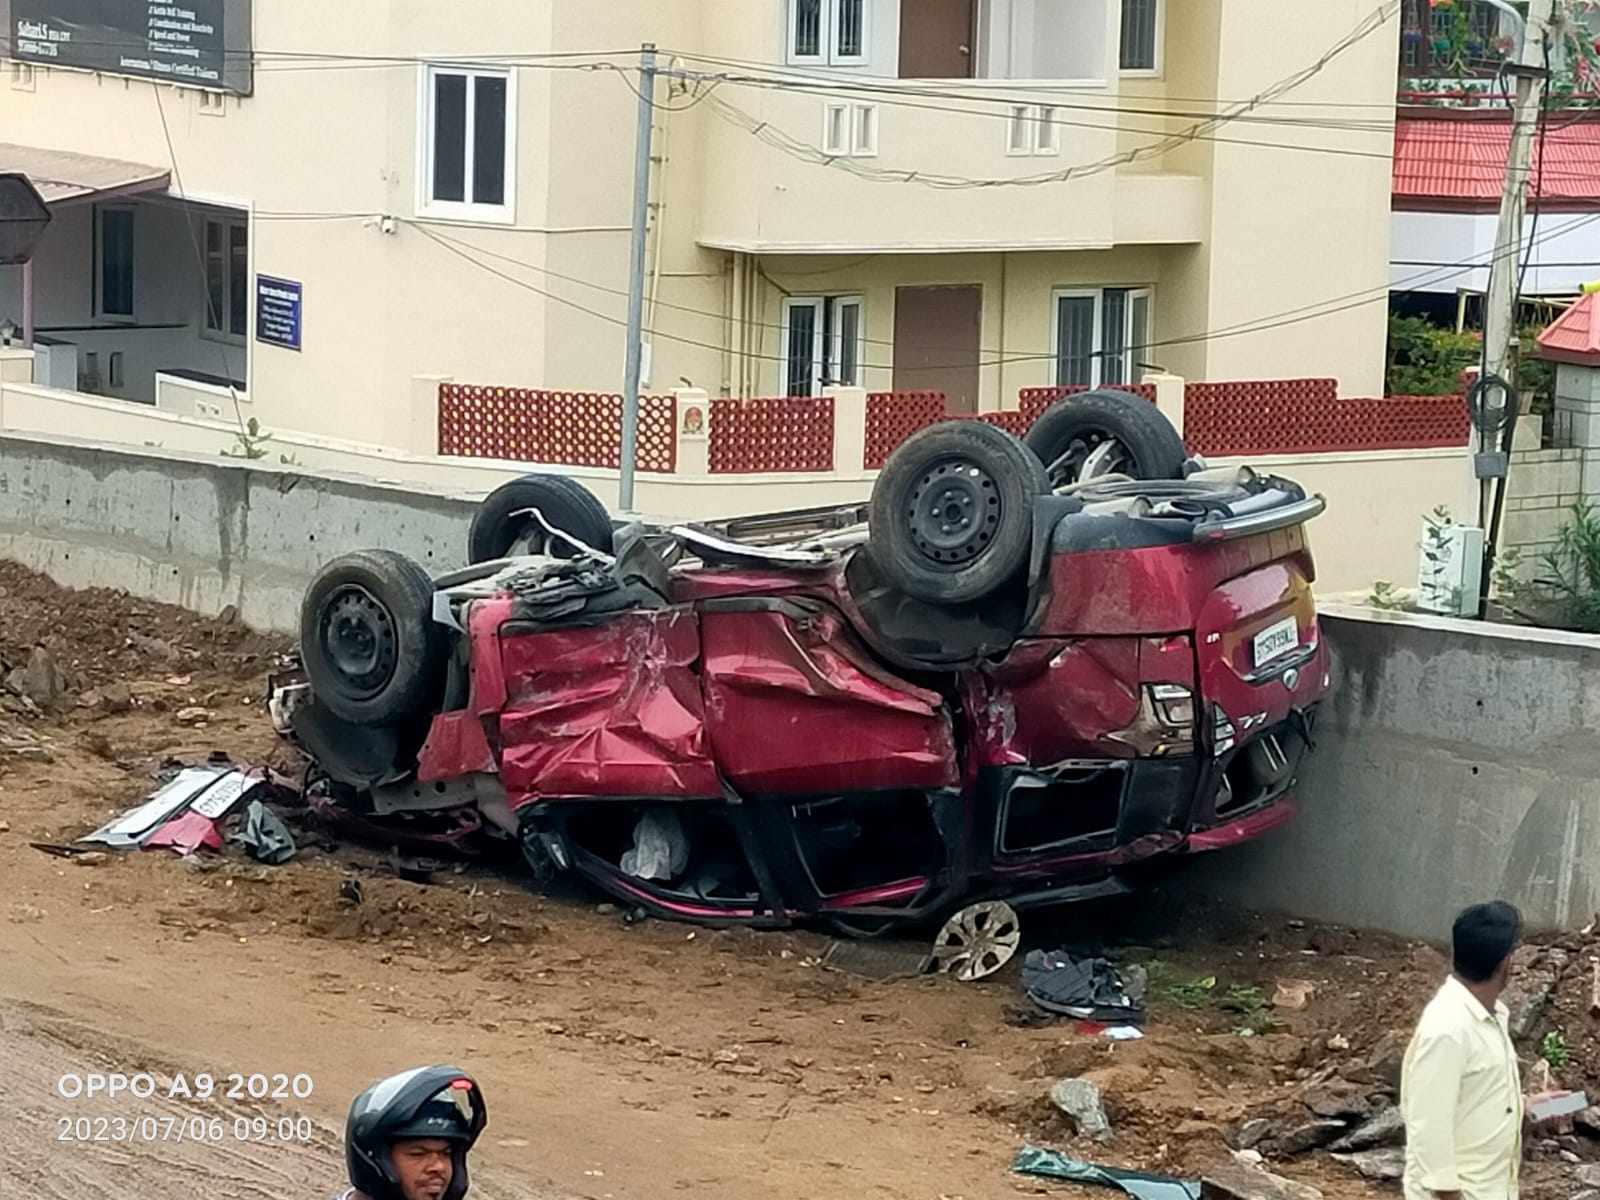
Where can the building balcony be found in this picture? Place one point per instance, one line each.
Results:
(842, 171)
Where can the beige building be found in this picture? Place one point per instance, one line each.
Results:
(969, 195)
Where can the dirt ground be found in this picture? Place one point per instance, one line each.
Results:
(619, 1060)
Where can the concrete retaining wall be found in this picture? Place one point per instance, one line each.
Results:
(206, 532)
(1456, 762)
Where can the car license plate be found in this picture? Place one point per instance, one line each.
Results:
(1276, 640)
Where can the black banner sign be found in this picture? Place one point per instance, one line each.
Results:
(196, 43)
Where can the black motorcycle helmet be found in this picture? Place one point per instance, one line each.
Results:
(424, 1102)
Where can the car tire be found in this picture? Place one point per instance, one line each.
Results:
(371, 649)
(986, 481)
(564, 503)
(1147, 446)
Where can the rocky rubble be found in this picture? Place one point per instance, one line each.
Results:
(1347, 1106)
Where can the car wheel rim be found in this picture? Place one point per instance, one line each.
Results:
(1091, 455)
(358, 639)
(954, 513)
(977, 941)
(529, 540)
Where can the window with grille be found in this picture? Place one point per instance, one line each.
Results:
(1467, 39)
(113, 273)
(828, 31)
(824, 340)
(1141, 35)
(1101, 335)
(227, 298)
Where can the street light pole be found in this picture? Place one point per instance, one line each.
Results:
(641, 223)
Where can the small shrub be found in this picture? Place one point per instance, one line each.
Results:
(1386, 596)
(1569, 576)
(1194, 995)
(1554, 1050)
(1427, 359)
(248, 441)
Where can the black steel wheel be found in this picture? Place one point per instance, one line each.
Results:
(952, 512)
(370, 646)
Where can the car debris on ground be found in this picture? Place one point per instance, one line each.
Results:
(187, 814)
(1088, 988)
(264, 835)
(1141, 1185)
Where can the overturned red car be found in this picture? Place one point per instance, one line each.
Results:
(1020, 674)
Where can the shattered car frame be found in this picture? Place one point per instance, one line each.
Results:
(780, 718)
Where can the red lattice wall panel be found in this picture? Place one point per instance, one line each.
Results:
(785, 433)
(1306, 416)
(892, 417)
(560, 429)
(1010, 420)
(1033, 401)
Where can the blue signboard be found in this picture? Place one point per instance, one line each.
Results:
(278, 312)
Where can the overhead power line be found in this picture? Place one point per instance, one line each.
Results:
(1316, 310)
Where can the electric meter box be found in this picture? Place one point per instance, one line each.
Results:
(1450, 574)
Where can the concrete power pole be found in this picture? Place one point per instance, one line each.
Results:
(641, 227)
(1500, 312)
(1495, 416)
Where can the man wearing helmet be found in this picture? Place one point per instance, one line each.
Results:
(407, 1136)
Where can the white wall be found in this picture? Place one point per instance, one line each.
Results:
(1566, 251)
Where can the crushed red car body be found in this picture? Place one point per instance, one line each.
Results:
(723, 731)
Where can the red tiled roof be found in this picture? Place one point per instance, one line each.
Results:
(1459, 161)
(1574, 336)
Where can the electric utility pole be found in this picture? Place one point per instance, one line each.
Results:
(641, 225)
(1495, 417)
(1530, 70)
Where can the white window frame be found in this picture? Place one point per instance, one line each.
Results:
(828, 37)
(1130, 358)
(465, 211)
(1158, 37)
(827, 340)
(850, 129)
(231, 337)
(1032, 130)
(99, 266)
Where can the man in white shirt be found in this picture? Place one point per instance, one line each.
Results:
(1461, 1089)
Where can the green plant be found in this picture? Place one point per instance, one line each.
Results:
(1536, 378)
(1436, 553)
(1570, 571)
(1427, 359)
(1554, 1050)
(1194, 995)
(1255, 1014)
(248, 441)
(1506, 579)
(1457, 45)
(1386, 596)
